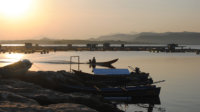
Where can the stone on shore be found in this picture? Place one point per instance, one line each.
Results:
(16, 95)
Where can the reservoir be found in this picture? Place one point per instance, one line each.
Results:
(179, 93)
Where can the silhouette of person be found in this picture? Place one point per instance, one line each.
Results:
(93, 60)
(137, 70)
(90, 61)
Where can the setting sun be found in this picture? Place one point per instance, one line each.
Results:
(14, 8)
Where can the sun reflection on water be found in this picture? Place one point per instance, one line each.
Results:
(11, 58)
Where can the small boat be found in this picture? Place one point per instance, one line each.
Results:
(15, 69)
(107, 63)
(134, 91)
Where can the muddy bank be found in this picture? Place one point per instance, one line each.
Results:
(18, 95)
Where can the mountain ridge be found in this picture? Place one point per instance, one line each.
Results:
(156, 38)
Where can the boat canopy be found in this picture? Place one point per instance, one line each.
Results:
(100, 71)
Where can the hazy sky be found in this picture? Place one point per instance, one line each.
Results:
(81, 19)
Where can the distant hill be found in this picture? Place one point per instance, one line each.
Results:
(122, 37)
(60, 41)
(157, 38)
(140, 38)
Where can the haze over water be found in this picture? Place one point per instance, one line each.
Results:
(180, 92)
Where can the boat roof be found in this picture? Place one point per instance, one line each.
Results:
(101, 71)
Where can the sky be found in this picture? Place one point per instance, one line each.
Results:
(83, 19)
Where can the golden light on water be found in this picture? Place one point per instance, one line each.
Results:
(14, 8)
(14, 57)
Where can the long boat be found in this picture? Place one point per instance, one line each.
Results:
(134, 91)
(106, 63)
(116, 77)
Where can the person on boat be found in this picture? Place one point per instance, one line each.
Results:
(93, 60)
(137, 70)
(90, 61)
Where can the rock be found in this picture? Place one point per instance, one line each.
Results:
(51, 80)
(28, 92)
(69, 107)
(11, 102)
(12, 97)
(16, 69)
(41, 88)
(23, 107)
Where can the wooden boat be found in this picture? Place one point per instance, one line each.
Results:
(15, 69)
(130, 79)
(134, 91)
(113, 72)
(107, 63)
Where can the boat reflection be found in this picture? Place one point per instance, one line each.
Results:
(148, 103)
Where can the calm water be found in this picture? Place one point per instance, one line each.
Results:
(180, 92)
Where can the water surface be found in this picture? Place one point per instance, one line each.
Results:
(180, 92)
